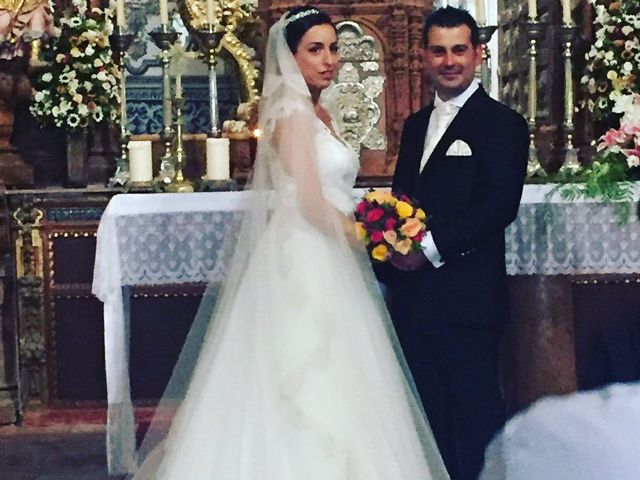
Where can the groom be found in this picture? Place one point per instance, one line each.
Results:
(464, 159)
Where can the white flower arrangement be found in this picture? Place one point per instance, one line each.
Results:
(78, 87)
(613, 62)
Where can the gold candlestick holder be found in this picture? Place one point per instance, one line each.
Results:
(534, 33)
(120, 43)
(571, 164)
(180, 183)
(164, 39)
(209, 41)
(486, 32)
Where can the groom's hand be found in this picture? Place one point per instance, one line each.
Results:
(409, 262)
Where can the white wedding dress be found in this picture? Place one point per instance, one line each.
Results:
(298, 374)
(303, 381)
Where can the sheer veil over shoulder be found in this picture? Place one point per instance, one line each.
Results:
(292, 369)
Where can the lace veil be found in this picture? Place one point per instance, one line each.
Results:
(285, 182)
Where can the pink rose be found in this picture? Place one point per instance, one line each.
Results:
(375, 215)
(390, 224)
(361, 208)
(376, 236)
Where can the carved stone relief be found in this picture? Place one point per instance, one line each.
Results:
(357, 92)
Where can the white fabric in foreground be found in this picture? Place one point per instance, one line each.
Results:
(584, 436)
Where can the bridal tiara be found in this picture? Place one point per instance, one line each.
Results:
(300, 15)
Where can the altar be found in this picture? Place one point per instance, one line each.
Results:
(557, 253)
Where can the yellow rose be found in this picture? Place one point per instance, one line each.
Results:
(389, 198)
(411, 227)
(420, 215)
(404, 209)
(380, 253)
(380, 197)
(373, 195)
(361, 232)
(403, 246)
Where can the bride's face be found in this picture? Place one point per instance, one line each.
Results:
(317, 56)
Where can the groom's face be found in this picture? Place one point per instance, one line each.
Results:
(450, 59)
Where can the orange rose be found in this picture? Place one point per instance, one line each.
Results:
(411, 227)
(391, 237)
(403, 246)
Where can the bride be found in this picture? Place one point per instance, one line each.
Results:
(298, 374)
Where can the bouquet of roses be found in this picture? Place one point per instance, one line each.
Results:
(389, 224)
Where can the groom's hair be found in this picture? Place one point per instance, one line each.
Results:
(300, 20)
(450, 17)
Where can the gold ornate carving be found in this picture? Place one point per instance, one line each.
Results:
(28, 243)
(21, 22)
(29, 270)
(231, 15)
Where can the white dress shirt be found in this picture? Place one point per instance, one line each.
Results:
(441, 117)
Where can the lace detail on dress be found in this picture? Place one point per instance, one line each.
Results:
(338, 167)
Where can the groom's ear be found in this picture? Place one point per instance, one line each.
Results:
(478, 54)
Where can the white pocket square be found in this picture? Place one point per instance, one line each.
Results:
(459, 149)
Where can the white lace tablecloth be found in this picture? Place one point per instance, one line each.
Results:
(553, 236)
(175, 238)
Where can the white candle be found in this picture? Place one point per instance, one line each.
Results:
(217, 159)
(481, 16)
(120, 20)
(210, 12)
(178, 86)
(533, 9)
(566, 12)
(164, 12)
(140, 163)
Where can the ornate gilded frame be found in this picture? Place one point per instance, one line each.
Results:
(230, 15)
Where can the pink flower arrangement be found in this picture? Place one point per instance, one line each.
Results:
(623, 143)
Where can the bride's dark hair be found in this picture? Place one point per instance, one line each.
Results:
(299, 22)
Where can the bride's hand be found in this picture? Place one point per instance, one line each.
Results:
(351, 233)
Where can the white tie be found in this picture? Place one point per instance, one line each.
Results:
(442, 115)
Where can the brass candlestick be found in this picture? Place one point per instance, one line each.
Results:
(120, 43)
(164, 39)
(534, 33)
(486, 32)
(209, 41)
(571, 164)
(180, 183)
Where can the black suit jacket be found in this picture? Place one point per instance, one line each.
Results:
(470, 200)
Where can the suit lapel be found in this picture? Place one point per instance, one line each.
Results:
(420, 133)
